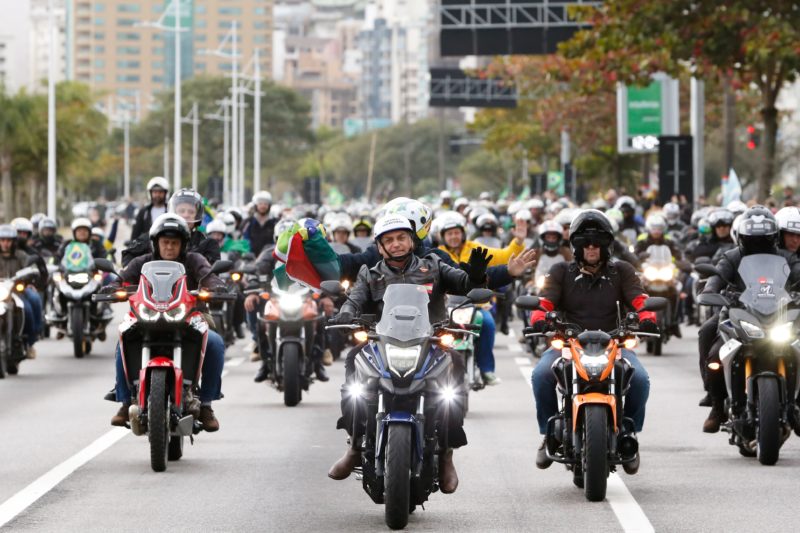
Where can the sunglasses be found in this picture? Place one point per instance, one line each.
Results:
(592, 241)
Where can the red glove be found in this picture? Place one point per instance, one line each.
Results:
(637, 304)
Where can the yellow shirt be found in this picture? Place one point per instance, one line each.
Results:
(500, 256)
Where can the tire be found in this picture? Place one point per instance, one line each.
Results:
(768, 431)
(3, 357)
(397, 476)
(649, 346)
(292, 389)
(658, 345)
(76, 320)
(595, 452)
(158, 420)
(175, 451)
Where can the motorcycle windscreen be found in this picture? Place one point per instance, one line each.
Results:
(659, 255)
(405, 313)
(162, 276)
(77, 257)
(765, 277)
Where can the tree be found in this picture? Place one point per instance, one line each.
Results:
(14, 134)
(742, 42)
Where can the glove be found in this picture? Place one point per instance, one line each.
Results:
(648, 326)
(479, 260)
(343, 317)
(540, 326)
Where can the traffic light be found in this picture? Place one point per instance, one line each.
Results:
(753, 137)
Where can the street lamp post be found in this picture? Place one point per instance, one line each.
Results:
(193, 119)
(257, 125)
(127, 156)
(225, 119)
(51, 114)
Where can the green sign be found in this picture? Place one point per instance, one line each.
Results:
(555, 182)
(644, 110)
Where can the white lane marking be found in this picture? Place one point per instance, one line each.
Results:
(515, 347)
(526, 372)
(511, 333)
(27, 496)
(522, 361)
(630, 515)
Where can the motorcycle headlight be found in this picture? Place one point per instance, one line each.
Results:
(176, 313)
(236, 276)
(98, 277)
(666, 273)
(402, 360)
(57, 277)
(291, 303)
(463, 315)
(651, 273)
(594, 364)
(78, 277)
(145, 313)
(4, 292)
(753, 331)
(781, 334)
(540, 282)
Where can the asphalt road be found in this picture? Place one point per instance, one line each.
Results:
(265, 470)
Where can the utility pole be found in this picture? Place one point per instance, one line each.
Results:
(193, 119)
(51, 113)
(257, 124)
(178, 114)
(127, 157)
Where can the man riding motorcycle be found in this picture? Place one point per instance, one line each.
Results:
(394, 237)
(81, 232)
(259, 229)
(47, 242)
(158, 189)
(757, 233)
(188, 204)
(788, 220)
(587, 291)
(170, 236)
(12, 259)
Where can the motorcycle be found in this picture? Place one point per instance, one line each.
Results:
(224, 313)
(163, 341)
(760, 355)
(12, 320)
(659, 278)
(287, 336)
(701, 313)
(590, 434)
(464, 314)
(403, 384)
(72, 311)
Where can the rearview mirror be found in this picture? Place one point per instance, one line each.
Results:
(712, 298)
(480, 296)
(221, 266)
(104, 265)
(707, 269)
(527, 302)
(654, 303)
(332, 288)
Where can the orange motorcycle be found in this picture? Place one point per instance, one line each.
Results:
(590, 434)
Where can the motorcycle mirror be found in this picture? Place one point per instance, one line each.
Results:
(708, 270)
(702, 260)
(527, 302)
(221, 266)
(480, 296)
(713, 299)
(332, 288)
(249, 269)
(654, 303)
(104, 265)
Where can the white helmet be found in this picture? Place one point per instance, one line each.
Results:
(216, 226)
(656, 222)
(672, 211)
(735, 227)
(22, 224)
(550, 226)
(535, 203)
(523, 214)
(486, 219)
(230, 222)
(98, 232)
(282, 225)
(341, 222)
(625, 201)
(460, 202)
(262, 196)
(157, 183)
(82, 222)
(788, 219)
(737, 207)
(391, 222)
(417, 213)
(566, 216)
(449, 220)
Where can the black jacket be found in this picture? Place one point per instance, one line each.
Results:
(208, 248)
(728, 266)
(370, 286)
(47, 247)
(144, 219)
(591, 300)
(198, 272)
(259, 235)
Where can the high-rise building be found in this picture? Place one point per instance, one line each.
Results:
(118, 51)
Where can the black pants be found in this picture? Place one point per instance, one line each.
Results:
(354, 411)
(705, 342)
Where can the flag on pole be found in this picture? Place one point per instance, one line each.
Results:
(731, 188)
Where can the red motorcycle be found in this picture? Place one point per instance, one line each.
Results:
(163, 342)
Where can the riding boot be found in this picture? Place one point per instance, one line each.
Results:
(716, 417)
(342, 468)
(448, 479)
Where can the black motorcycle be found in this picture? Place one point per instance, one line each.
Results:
(403, 385)
(12, 320)
(760, 355)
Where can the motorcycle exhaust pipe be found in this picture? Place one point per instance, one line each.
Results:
(628, 446)
(135, 420)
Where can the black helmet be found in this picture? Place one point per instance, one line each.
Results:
(591, 226)
(187, 196)
(757, 232)
(169, 225)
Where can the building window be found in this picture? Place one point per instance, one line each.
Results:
(261, 11)
(99, 21)
(129, 8)
(126, 78)
(200, 38)
(99, 35)
(200, 10)
(126, 92)
(128, 50)
(99, 77)
(127, 36)
(126, 22)
(230, 11)
(99, 49)
(128, 64)
(200, 67)
(259, 38)
(157, 65)
(201, 23)
(98, 8)
(158, 50)
(158, 79)
(99, 63)
(260, 24)
(225, 24)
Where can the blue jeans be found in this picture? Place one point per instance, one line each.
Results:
(211, 374)
(544, 390)
(33, 315)
(485, 353)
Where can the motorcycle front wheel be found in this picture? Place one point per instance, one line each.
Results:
(76, 323)
(397, 476)
(158, 420)
(292, 388)
(769, 423)
(595, 452)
